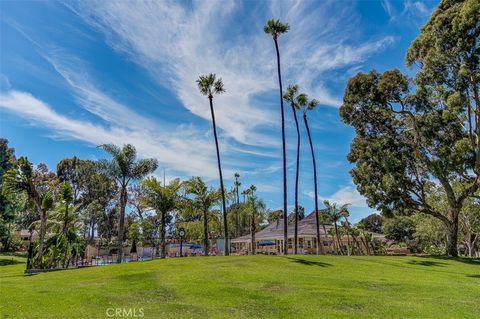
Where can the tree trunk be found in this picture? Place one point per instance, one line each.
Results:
(121, 224)
(338, 239)
(452, 239)
(205, 232)
(348, 237)
(222, 189)
(284, 153)
(253, 229)
(315, 184)
(163, 252)
(296, 180)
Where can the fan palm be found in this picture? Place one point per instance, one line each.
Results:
(202, 199)
(208, 86)
(296, 102)
(276, 28)
(163, 199)
(124, 168)
(310, 106)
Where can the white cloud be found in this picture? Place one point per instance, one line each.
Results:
(176, 43)
(181, 150)
(344, 195)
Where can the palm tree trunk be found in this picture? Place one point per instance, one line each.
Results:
(314, 182)
(253, 229)
(205, 232)
(284, 152)
(338, 239)
(225, 223)
(296, 181)
(163, 244)
(121, 224)
(65, 228)
(348, 237)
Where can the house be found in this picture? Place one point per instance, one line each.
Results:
(270, 239)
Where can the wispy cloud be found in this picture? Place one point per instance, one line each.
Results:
(174, 150)
(176, 43)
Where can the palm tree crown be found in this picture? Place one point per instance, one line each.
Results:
(209, 85)
(275, 28)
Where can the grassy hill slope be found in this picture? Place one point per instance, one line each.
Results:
(250, 286)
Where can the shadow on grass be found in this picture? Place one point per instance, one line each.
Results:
(8, 262)
(473, 276)
(465, 260)
(308, 262)
(429, 263)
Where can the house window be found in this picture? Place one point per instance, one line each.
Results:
(290, 245)
(309, 244)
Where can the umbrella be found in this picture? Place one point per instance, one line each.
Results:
(266, 243)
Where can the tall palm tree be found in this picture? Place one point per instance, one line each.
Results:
(124, 168)
(252, 200)
(237, 185)
(203, 200)
(164, 199)
(310, 106)
(276, 28)
(208, 86)
(296, 102)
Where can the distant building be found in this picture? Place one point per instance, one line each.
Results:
(270, 239)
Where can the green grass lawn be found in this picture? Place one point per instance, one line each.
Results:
(243, 287)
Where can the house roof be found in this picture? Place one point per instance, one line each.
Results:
(306, 228)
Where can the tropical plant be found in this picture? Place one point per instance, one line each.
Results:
(296, 101)
(335, 214)
(345, 213)
(21, 179)
(307, 106)
(208, 86)
(164, 199)
(202, 199)
(124, 168)
(275, 28)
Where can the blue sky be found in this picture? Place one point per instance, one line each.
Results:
(74, 75)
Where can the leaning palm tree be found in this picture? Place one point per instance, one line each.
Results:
(163, 199)
(296, 102)
(276, 28)
(124, 168)
(202, 199)
(310, 106)
(208, 86)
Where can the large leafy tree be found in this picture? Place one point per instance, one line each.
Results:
(124, 167)
(202, 199)
(208, 86)
(163, 199)
(413, 135)
(275, 28)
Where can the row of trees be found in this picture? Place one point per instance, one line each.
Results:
(85, 199)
